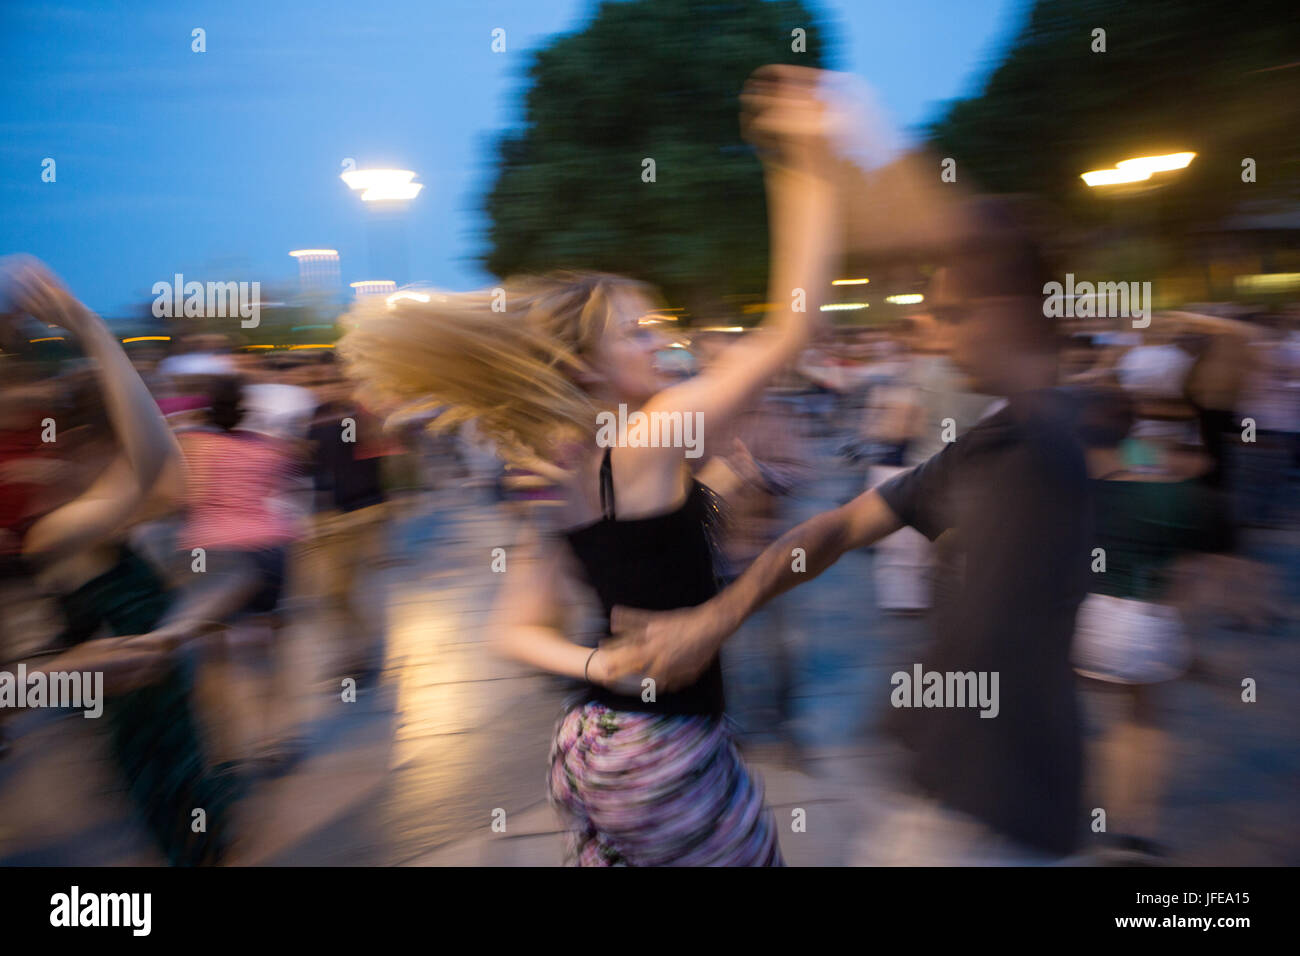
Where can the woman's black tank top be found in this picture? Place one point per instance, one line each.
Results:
(657, 563)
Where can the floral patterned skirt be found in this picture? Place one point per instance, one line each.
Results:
(640, 789)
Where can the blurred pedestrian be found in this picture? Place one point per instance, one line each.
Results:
(769, 461)
(1129, 637)
(78, 550)
(235, 536)
(350, 520)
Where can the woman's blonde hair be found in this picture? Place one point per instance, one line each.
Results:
(503, 358)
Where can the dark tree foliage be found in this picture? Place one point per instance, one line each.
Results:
(1221, 79)
(657, 79)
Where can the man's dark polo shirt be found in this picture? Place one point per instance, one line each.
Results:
(1013, 491)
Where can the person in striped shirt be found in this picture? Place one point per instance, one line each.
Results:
(237, 534)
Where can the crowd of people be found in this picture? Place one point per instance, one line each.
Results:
(161, 513)
(1057, 501)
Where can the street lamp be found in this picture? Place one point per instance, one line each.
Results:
(1138, 169)
(382, 185)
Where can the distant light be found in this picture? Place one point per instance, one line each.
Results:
(406, 294)
(1158, 164)
(844, 306)
(849, 281)
(759, 307)
(147, 338)
(1111, 177)
(259, 346)
(294, 348)
(48, 338)
(372, 178)
(909, 298)
(1138, 169)
(368, 287)
(1268, 282)
(390, 193)
(377, 185)
(299, 253)
(723, 328)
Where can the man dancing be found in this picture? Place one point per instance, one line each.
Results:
(1013, 494)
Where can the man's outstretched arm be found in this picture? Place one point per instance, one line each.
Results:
(674, 647)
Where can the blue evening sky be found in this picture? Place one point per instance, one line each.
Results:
(217, 164)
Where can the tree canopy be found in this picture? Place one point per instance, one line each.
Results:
(646, 80)
(1219, 79)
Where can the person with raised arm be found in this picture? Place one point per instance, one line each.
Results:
(78, 550)
(642, 776)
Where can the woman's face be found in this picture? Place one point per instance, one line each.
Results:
(625, 366)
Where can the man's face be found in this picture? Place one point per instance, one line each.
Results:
(928, 335)
(983, 341)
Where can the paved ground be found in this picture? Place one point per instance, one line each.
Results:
(413, 771)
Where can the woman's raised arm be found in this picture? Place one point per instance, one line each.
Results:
(785, 117)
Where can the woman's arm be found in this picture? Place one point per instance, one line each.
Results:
(147, 444)
(529, 619)
(789, 123)
(124, 668)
